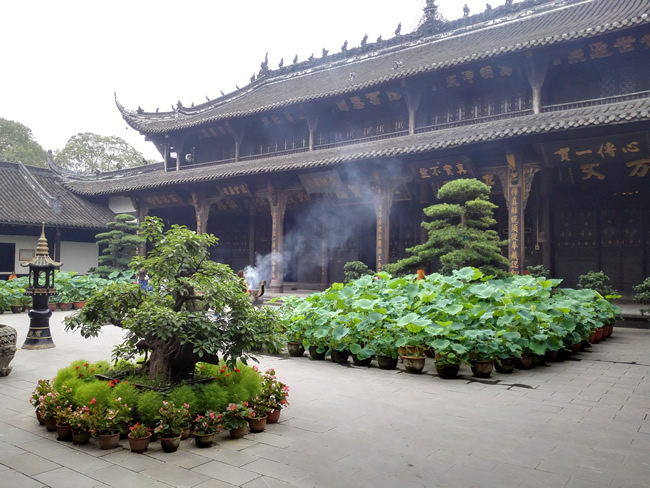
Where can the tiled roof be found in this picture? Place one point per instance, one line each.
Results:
(33, 195)
(546, 122)
(554, 22)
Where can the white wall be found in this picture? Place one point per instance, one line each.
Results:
(78, 256)
(121, 204)
(22, 242)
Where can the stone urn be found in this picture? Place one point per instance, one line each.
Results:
(8, 338)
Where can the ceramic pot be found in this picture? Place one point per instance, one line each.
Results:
(79, 305)
(552, 356)
(525, 361)
(257, 425)
(610, 330)
(39, 417)
(386, 362)
(64, 307)
(314, 354)
(505, 365)
(340, 357)
(447, 371)
(204, 440)
(187, 432)
(139, 444)
(414, 364)
(109, 441)
(482, 369)
(64, 432)
(8, 339)
(51, 307)
(170, 444)
(239, 432)
(296, 349)
(16, 308)
(80, 436)
(50, 424)
(273, 416)
(361, 362)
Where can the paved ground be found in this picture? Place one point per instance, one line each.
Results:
(582, 423)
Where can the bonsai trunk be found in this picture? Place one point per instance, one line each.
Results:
(173, 361)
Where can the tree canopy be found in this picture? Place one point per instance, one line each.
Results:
(89, 153)
(459, 233)
(118, 245)
(196, 310)
(17, 144)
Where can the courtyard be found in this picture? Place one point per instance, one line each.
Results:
(578, 423)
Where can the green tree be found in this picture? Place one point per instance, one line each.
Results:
(118, 244)
(459, 233)
(17, 144)
(196, 310)
(88, 153)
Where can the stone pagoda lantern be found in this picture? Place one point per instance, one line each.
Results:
(40, 287)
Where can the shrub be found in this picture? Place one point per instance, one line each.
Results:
(643, 294)
(126, 391)
(185, 394)
(597, 281)
(148, 407)
(354, 270)
(538, 271)
(84, 392)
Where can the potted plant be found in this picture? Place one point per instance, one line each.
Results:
(43, 387)
(170, 425)
(51, 403)
(259, 412)
(507, 351)
(139, 437)
(234, 419)
(294, 330)
(110, 422)
(81, 421)
(206, 427)
(382, 342)
(275, 394)
(63, 421)
(482, 345)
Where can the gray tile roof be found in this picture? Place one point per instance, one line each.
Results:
(554, 22)
(546, 122)
(33, 195)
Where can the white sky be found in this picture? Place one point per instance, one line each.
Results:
(64, 59)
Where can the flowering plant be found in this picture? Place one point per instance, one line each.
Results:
(53, 401)
(210, 423)
(139, 431)
(235, 415)
(111, 420)
(274, 392)
(63, 415)
(81, 419)
(171, 419)
(43, 387)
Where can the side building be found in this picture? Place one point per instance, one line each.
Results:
(32, 196)
(332, 159)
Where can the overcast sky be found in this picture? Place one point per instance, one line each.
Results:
(64, 59)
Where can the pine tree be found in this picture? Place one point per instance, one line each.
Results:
(118, 245)
(459, 233)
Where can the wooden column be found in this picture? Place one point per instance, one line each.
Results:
(545, 236)
(141, 210)
(324, 254)
(251, 231)
(166, 151)
(202, 210)
(515, 199)
(536, 69)
(413, 97)
(57, 244)
(278, 202)
(238, 135)
(312, 117)
(383, 201)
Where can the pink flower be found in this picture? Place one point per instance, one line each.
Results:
(211, 415)
(186, 405)
(255, 368)
(93, 401)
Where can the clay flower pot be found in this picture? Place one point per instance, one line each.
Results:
(414, 364)
(108, 441)
(273, 417)
(295, 349)
(314, 354)
(239, 432)
(257, 425)
(139, 444)
(170, 444)
(64, 432)
(386, 362)
(204, 440)
(482, 369)
(80, 436)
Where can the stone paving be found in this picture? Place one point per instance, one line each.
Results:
(579, 423)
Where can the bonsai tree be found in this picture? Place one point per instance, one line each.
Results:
(355, 269)
(459, 232)
(642, 291)
(197, 308)
(118, 245)
(597, 281)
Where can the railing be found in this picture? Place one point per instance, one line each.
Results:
(597, 101)
(477, 120)
(360, 140)
(272, 154)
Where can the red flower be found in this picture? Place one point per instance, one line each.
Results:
(76, 367)
(93, 401)
(87, 364)
(237, 370)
